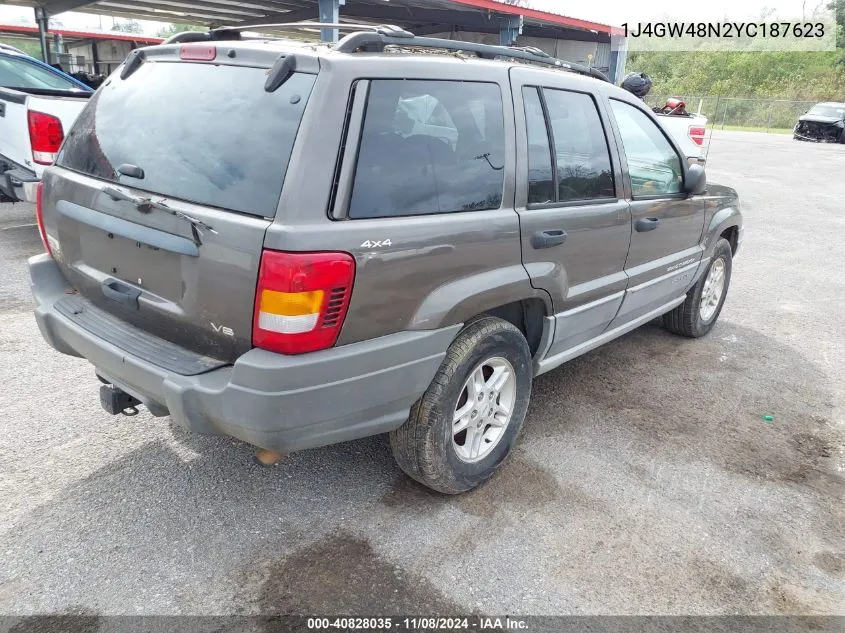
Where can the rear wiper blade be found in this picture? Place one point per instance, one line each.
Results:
(146, 205)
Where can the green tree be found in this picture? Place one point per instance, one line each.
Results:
(30, 47)
(127, 26)
(762, 75)
(838, 6)
(794, 75)
(173, 29)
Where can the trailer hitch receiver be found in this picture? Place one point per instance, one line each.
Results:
(115, 400)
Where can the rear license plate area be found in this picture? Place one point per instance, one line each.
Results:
(152, 269)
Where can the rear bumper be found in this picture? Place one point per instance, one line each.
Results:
(16, 182)
(278, 402)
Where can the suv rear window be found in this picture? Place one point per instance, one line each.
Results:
(204, 133)
(430, 147)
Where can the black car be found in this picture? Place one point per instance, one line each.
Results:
(824, 122)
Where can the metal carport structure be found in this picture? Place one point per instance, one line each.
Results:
(73, 39)
(457, 19)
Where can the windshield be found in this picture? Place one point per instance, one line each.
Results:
(836, 111)
(20, 73)
(200, 132)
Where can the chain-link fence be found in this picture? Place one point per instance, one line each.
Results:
(727, 112)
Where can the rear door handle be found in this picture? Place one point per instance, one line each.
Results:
(646, 224)
(121, 292)
(547, 239)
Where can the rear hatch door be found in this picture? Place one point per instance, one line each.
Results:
(163, 190)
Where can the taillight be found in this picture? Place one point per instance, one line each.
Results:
(45, 137)
(697, 134)
(39, 217)
(198, 52)
(301, 300)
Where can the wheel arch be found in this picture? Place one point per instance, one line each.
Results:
(505, 293)
(725, 223)
(527, 315)
(731, 234)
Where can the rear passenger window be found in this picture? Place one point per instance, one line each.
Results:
(541, 182)
(429, 147)
(583, 160)
(574, 163)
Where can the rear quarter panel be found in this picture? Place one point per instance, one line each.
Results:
(14, 127)
(14, 133)
(67, 109)
(438, 270)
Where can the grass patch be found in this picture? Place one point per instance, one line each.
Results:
(748, 128)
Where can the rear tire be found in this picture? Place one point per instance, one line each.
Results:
(699, 312)
(435, 446)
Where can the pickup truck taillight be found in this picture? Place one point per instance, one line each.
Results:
(39, 217)
(301, 300)
(45, 136)
(696, 133)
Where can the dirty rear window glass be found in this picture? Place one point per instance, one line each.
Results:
(203, 133)
(430, 147)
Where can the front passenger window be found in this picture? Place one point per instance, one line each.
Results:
(653, 164)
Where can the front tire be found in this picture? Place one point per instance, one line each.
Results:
(699, 312)
(464, 426)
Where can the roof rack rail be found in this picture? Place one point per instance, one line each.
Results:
(224, 33)
(375, 42)
(374, 38)
(385, 29)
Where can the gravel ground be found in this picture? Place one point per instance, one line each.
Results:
(645, 482)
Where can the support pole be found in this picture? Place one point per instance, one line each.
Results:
(618, 58)
(510, 29)
(329, 14)
(42, 20)
(95, 56)
(58, 49)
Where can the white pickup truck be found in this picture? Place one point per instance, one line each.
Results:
(38, 104)
(687, 128)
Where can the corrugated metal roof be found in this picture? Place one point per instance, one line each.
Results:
(422, 14)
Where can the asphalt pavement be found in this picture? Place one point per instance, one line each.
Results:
(646, 479)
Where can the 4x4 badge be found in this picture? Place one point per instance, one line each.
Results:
(376, 243)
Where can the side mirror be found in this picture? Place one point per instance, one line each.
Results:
(695, 183)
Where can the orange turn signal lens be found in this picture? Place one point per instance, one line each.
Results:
(291, 303)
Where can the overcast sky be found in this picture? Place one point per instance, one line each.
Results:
(614, 12)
